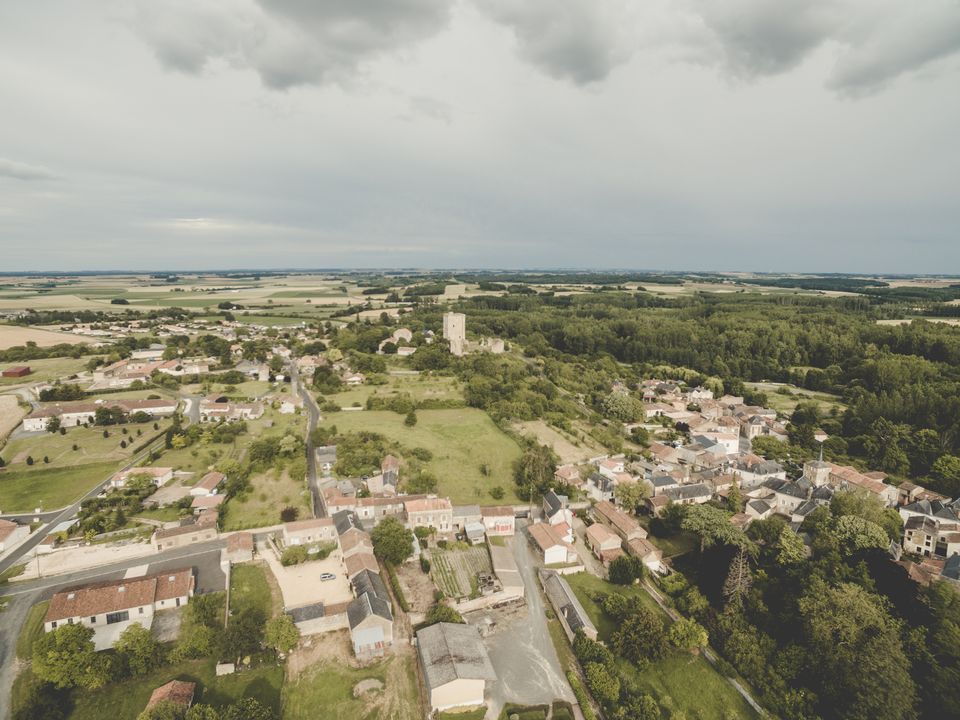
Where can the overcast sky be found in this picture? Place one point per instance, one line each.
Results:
(807, 135)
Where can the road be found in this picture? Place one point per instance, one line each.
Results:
(313, 417)
(22, 596)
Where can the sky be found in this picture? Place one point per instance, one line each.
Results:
(762, 135)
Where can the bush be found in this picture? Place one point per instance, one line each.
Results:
(497, 492)
(424, 564)
(289, 514)
(397, 590)
(583, 700)
(293, 555)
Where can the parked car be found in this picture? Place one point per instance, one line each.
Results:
(328, 576)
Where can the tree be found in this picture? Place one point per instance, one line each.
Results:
(443, 613)
(281, 633)
(869, 508)
(631, 495)
(201, 712)
(946, 471)
(625, 569)
(247, 709)
(411, 419)
(53, 424)
(641, 637)
(638, 707)
(289, 514)
(66, 658)
(140, 649)
(739, 579)
(854, 534)
(687, 634)
(713, 526)
(392, 541)
(790, 548)
(619, 405)
(164, 710)
(43, 702)
(533, 471)
(884, 446)
(856, 654)
(243, 635)
(604, 685)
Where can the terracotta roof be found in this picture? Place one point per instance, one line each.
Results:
(359, 562)
(6, 529)
(240, 541)
(545, 536)
(616, 517)
(598, 534)
(115, 595)
(427, 504)
(497, 511)
(211, 480)
(174, 584)
(207, 502)
(641, 548)
(309, 524)
(350, 540)
(175, 691)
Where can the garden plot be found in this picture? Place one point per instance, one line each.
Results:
(455, 571)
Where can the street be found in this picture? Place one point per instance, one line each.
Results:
(313, 417)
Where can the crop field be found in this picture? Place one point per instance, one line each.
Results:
(455, 571)
(14, 335)
(461, 441)
(566, 446)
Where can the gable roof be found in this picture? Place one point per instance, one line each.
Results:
(116, 595)
(565, 601)
(366, 606)
(450, 651)
(179, 692)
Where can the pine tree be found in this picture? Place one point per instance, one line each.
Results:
(739, 579)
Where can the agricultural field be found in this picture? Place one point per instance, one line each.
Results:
(330, 686)
(13, 335)
(455, 571)
(49, 489)
(461, 440)
(685, 683)
(419, 387)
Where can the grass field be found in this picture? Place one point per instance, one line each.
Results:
(31, 630)
(249, 590)
(785, 404)
(10, 415)
(326, 690)
(13, 335)
(49, 489)
(92, 446)
(127, 699)
(567, 447)
(460, 440)
(419, 387)
(680, 682)
(270, 493)
(46, 369)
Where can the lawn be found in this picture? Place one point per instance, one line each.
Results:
(327, 691)
(460, 440)
(31, 630)
(250, 590)
(270, 492)
(164, 514)
(48, 368)
(127, 699)
(681, 681)
(92, 447)
(49, 488)
(785, 404)
(673, 545)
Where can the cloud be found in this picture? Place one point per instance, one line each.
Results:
(287, 42)
(576, 40)
(22, 171)
(875, 40)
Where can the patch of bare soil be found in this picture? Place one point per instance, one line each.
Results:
(326, 647)
(417, 586)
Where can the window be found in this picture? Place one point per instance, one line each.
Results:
(69, 621)
(141, 610)
(53, 625)
(93, 619)
(116, 617)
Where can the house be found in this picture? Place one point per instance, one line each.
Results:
(195, 530)
(656, 504)
(464, 515)
(390, 471)
(240, 547)
(177, 692)
(207, 503)
(648, 553)
(622, 524)
(555, 510)
(306, 532)
(554, 547)
(16, 371)
(603, 543)
(456, 667)
(610, 467)
(432, 512)
(359, 562)
(289, 404)
(12, 534)
(600, 487)
(158, 475)
(568, 475)
(369, 615)
(788, 494)
(217, 408)
(112, 606)
(695, 494)
(938, 509)
(82, 413)
(759, 510)
(930, 537)
(662, 483)
(951, 570)
(498, 521)
(208, 484)
(754, 471)
(568, 608)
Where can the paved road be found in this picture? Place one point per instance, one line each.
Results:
(313, 417)
(528, 669)
(23, 595)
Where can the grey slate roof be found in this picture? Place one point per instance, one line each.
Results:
(565, 601)
(759, 506)
(786, 487)
(664, 481)
(450, 651)
(806, 508)
(366, 605)
(307, 612)
(687, 492)
(369, 582)
(553, 503)
(601, 482)
(346, 520)
(951, 568)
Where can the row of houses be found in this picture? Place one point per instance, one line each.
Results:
(75, 414)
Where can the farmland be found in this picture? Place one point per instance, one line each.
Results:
(24, 490)
(13, 335)
(46, 369)
(461, 440)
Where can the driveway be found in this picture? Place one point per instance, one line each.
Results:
(528, 670)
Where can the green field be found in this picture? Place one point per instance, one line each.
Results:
(270, 492)
(460, 440)
(785, 404)
(32, 629)
(419, 387)
(681, 682)
(128, 699)
(49, 489)
(92, 446)
(327, 691)
(47, 370)
(249, 590)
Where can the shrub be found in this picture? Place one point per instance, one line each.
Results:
(497, 492)
(397, 589)
(293, 555)
(424, 564)
(29, 459)
(289, 514)
(583, 700)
